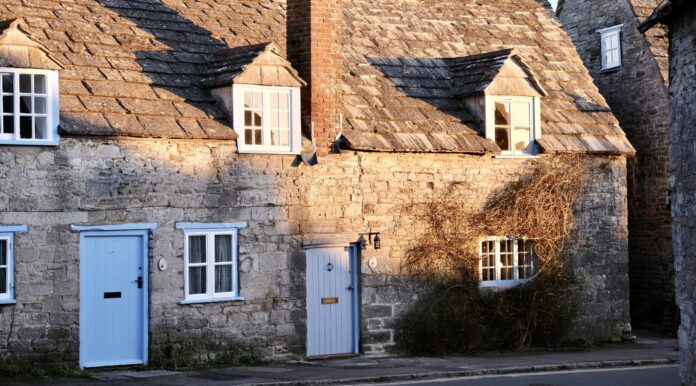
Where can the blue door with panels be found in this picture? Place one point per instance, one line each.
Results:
(113, 298)
(332, 313)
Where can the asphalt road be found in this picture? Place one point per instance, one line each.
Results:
(633, 376)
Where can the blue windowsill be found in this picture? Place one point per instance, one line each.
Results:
(8, 302)
(216, 300)
(32, 142)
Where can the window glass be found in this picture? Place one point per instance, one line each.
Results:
(611, 48)
(506, 261)
(211, 265)
(197, 266)
(514, 124)
(488, 261)
(24, 115)
(521, 134)
(253, 118)
(4, 265)
(502, 125)
(267, 119)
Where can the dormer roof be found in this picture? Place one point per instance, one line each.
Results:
(477, 74)
(19, 49)
(258, 64)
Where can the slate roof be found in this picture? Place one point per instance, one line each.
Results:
(658, 38)
(398, 93)
(471, 75)
(136, 68)
(226, 64)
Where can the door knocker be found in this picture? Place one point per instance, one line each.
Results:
(329, 267)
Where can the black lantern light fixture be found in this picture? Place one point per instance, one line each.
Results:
(376, 242)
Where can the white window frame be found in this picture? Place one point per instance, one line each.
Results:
(535, 128)
(613, 33)
(498, 283)
(210, 231)
(295, 133)
(52, 109)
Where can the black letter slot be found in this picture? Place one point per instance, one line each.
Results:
(112, 295)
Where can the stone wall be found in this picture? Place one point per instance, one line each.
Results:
(96, 181)
(683, 183)
(638, 97)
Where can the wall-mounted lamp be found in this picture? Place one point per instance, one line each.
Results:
(376, 242)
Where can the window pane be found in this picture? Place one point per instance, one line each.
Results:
(257, 119)
(223, 278)
(257, 137)
(274, 100)
(501, 138)
(8, 124)
(197, 249)
(8, 104)
(223, 248)
(197, 284)
(284, 101)
(8, 83)
(488, 261)
(258, 100)
(521, 135)
(40, 84)
(25, 104)
(506, 261)
(3, 280)
(40, 105)
(3, 252)
(524, 259)
(284, 119)
(284, 137)
(25, 129)
(248, 140)
(248, 99)
(40, 130)
(247, 118)
(502, 114)
(25, 83)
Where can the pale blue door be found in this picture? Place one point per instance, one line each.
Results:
(332, 317)
(113, 298)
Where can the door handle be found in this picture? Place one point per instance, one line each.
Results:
(350, 287)
(139, 281)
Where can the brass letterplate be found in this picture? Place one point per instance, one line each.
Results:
(329, 300)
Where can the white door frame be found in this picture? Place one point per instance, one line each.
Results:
(354, 261)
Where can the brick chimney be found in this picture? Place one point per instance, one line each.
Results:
(315, 40)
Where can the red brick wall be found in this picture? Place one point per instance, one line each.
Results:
(314, 47)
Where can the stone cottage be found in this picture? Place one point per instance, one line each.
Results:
(631, 71)
(680, 17)
(193, 178)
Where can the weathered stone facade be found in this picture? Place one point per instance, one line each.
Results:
(682, 181)
(99, 181)
(637, 95)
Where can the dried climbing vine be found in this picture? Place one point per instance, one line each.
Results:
(456, 316)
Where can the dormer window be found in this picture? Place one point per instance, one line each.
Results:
(260, 92)
(28, 88)
(268, 118)
(611, 47)
(503, 94)
(28, 106)
(513, 124)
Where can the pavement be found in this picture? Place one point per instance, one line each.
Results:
(649, 349)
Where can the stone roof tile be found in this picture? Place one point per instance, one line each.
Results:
(400, 50)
